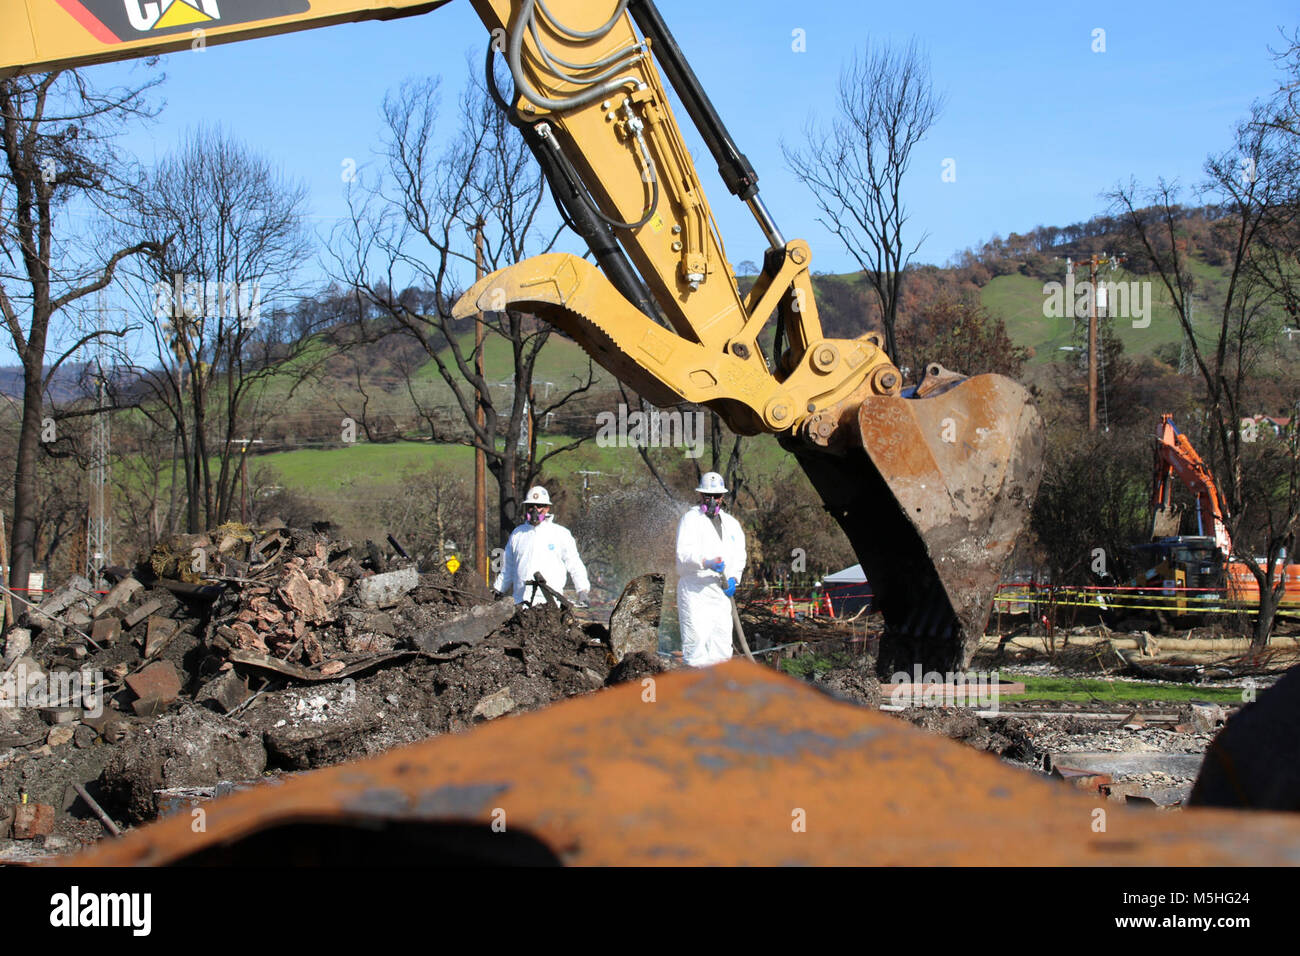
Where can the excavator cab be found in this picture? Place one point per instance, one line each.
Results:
(1188, 571)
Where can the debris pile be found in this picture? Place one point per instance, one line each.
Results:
(241, 654)
(1145, 757)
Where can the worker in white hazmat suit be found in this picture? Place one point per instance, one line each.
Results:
(710, 560)
(539, 544)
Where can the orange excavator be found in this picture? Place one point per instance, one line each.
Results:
(932, 484)
(1198, 565)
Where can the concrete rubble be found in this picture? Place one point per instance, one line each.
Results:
(290, 650)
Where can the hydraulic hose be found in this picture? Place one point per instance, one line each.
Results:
(514, 55)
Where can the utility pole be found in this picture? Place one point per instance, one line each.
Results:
(1094, 298)
(1092, 344)
(586, 485)
(480, 418)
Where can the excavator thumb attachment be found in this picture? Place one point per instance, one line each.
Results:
(932, 493)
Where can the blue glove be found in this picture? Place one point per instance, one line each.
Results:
(730, 589)
(715, 566)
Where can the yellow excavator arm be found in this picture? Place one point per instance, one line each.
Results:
(932, 489)
(42, 35)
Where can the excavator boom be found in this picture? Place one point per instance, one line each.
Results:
(1176, 456)
(932, 485)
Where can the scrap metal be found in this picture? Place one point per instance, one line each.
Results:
(728, 765)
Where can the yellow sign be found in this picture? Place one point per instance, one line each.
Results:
(453, 563)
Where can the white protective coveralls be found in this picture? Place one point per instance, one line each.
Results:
(548, 548)
(703, 610)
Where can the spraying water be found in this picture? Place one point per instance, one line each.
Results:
(631, 531)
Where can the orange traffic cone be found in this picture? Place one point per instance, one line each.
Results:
(827, 606)
(789, 606)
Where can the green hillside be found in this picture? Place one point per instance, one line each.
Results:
(300, 419)
(1019, 301)
(1016, 298)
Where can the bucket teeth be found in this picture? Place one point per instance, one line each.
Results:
(933, 502)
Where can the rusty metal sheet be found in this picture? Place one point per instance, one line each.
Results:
(734, 764)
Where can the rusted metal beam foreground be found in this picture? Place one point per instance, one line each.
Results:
(730, 765)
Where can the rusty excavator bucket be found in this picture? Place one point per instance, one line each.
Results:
(932, 491)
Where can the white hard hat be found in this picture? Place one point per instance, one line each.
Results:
(537, 496)
(711, 484)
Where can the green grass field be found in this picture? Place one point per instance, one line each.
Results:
(324, 471)
(562, 362)
(1071, 689)
(1089, 689)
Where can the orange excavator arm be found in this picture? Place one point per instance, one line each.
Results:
(1176, 456)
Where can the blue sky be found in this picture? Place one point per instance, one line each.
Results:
(1039, 125)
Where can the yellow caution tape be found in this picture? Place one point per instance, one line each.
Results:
(1122, 605)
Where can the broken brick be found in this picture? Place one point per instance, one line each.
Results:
(227, 690)
(122, 592)
(149, 707)
(494, 705)
(61, 715)
(32, 820)
(157, 682)
(297, 592)
(75, 617)
(160, 631)
(106, 630)
(247, 638)
(143, 611)
(265, 610)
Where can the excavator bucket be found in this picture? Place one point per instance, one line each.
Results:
(933, 492)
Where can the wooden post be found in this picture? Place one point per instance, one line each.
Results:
(8, 617)
(243, 484)
(480, 459)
